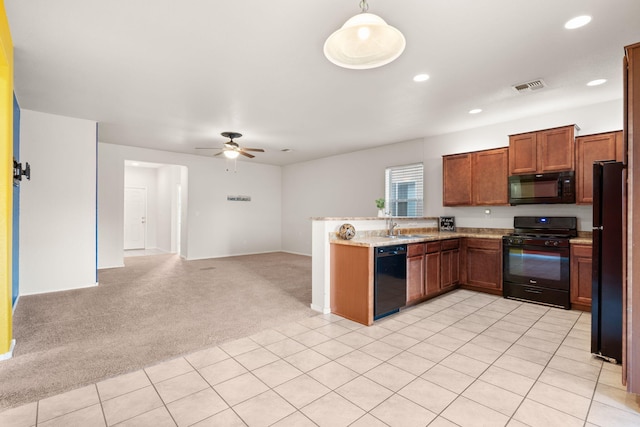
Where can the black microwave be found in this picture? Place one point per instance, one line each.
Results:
(554, 187)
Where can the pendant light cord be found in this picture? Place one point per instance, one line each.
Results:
(364, 6)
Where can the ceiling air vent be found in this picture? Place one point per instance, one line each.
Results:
(529, 86)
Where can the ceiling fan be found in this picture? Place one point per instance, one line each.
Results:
(231, 149)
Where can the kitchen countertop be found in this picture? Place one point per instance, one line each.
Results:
(373, 240)
(580, 240)
(425, 236)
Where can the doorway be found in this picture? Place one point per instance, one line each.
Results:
(154, 208)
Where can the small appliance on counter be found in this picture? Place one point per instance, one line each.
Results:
(536, 259)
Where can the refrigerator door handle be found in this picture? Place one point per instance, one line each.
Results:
(598, 228)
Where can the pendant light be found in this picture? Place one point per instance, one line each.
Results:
(364, 41)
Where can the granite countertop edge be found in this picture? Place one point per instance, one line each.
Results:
(375, 241)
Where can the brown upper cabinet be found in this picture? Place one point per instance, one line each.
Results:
(456, 180)
(591, 148)
(476, 179)
(549, 150)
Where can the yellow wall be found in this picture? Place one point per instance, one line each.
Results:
(6, 178)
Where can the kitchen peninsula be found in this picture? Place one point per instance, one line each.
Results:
(426, 242)
(343, 270)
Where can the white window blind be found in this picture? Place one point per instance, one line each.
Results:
(404, 190)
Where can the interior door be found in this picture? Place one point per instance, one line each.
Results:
(135, 217)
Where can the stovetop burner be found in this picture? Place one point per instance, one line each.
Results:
(541, 236)
(545, 227)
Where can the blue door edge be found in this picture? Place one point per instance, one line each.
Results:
(15, 241)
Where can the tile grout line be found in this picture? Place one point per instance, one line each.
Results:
(159, 397)
(545, 367)
(395, 393)
(104, 416)
(491, 364)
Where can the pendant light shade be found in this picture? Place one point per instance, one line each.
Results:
(364, 41)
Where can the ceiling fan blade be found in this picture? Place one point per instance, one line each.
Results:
(259, 150)
(207, 148)
(251, 156)
(217, 154)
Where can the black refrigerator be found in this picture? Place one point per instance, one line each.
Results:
(606, 291)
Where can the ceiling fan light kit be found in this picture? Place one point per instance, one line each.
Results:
(231, 153)
(231, 149)
(365, 41)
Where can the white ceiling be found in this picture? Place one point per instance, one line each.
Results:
(173, 74)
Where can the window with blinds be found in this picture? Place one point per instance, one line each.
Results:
(404, 190)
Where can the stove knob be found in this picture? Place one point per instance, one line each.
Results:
(555, 243)
(547, 243)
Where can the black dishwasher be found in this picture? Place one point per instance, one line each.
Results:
(390, 282)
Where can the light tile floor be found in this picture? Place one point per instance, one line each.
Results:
(463, 359)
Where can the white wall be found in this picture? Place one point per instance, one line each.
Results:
(58, 205)
(166, 228)
(347, 185)
(213, 227)
(110, 202)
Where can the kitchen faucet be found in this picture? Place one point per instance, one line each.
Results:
(391, 226)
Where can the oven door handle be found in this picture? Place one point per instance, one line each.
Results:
(532, 291)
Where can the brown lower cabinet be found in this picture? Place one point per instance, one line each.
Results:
(352, 272)
(423, 270)
(450, 263)
(415, 272)
(481, 263)
(432, 268)
(581, 270)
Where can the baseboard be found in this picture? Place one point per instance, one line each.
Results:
(8, 355)
(296, 253)
(229, 255)
(320, 309)
(111, 266)
(93, 285)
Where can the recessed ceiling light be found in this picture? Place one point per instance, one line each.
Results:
(475, 111)
(577, 22)
(421, 78)
(597, 82)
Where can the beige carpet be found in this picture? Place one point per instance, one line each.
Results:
(155, 308)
